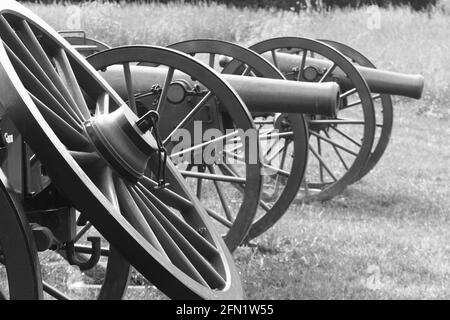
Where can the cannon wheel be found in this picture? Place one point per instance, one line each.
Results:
(165, 234)
(384, 110)
(20, 277)
(274, 202)
(339, 148)
(237, 225)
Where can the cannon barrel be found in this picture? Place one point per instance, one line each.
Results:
(259, 94)
(379, 81)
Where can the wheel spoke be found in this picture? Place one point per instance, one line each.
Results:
(334, 143)
(176, 246)
(102, 105)
(219, 218)
(165, 194)
(69, 136)
(338, 153)
(187, 120)
(214, 177)
(319, 158)
(274, 58)
(105, 182)
(84, 158)
(337, 121)
(55, 293)
(204, 144)
(348, 93)
(212, 60)
(263, 121)
(275, 154)
(229, 170)
(33, 45)
(328, 72)
(282, 163)
(265, 132)
(358, 102)
(201, 244)
(82, 232)
(165, 89)
(221, 195)
(347, 137)
(247, 70)
(175, 254)
(133, 214)
(302, 66)
(40, 91)
(279, 171)
(200, 169)
(21, 53)
(129, 85)
(319, 151)
(288, 134)
(65, 71)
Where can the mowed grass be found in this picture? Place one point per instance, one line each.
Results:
(387, 236)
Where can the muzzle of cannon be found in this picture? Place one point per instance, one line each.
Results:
(259, 94)
(379, 81)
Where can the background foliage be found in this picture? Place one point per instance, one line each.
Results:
(293, 5)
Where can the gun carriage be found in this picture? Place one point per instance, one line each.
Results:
(91, 148)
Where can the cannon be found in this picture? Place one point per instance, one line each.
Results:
(78, 158)
(75, 153)
(246, 62)
(284, 50)
(270, 211)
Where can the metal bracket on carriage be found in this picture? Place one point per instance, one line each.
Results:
(178, 91)
(50, 209)
(3, 146)
(148, 122)
(74, 259)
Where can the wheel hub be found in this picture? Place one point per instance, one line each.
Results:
(120, 141)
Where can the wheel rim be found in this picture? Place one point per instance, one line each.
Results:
(333, 165)
(250, 63)
(384, 112)
(20, 277)
(62, 148)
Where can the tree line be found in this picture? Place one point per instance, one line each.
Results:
(293, 5)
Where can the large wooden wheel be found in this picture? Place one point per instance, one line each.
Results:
(384, 112)
(285, 159)
(339, 147)
(106, 164)
(20, 276)
(230, 200)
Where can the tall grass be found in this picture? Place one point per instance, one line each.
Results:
(407, 41)
(397, 218)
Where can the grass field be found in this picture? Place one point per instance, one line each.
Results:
(387, 236)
